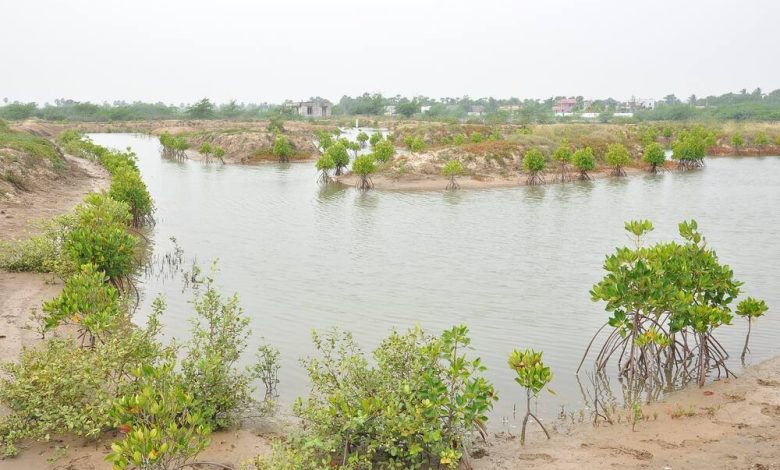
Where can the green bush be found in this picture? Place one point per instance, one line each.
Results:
(88, 301)
(534, 161)
(417, 145)
(128, 187)
(338, 153)
(41, 253)
(362, 138)
(219, 334)
(584, 161)
(375, 138)
(655, 156)
(384, 151)
(99, 236)
(60, 387)
(163, 424)
(617, 157)
(419, 401)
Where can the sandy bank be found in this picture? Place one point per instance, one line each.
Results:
(20, 216)
(438, 183)
(730, 424)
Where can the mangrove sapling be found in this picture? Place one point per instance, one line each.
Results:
(325, 164)
(617, 157)
(532, 375)
(384, 151)
(210, 367)
(87, 301)
(417, 144)
(219, 154)
(362, 139)
(173, 147)
(459, 139)
(563, 156)
(761, 141)
(166, 429)
(413, 404)
(690, 147)
(452, 170)
(282, 148)
(654, 156)
(534, 164)
(375, 138)
(364, 166)
(750, 309)
(267, 369)
(338, 153)
(324, 140)
(354, 146)
(206, 150)
(584, 161)
(737, 141)
(666, 301)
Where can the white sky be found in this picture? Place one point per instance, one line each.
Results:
(253, 50)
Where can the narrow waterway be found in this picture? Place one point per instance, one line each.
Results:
(515, 265)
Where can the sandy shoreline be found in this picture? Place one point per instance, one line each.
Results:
(439, 183)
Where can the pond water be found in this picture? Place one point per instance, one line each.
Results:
(513, 264)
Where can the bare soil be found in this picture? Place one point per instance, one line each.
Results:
(49, 195)
(730, 424)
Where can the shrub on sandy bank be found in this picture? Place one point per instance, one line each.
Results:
(219, 333)
(419, 401)
(61, 387)
(40, 253)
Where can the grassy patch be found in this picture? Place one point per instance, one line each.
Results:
(36, 147)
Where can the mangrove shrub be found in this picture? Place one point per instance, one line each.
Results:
(417, 402)
(584, 161)
(364, 166)
(452, 170)
(654, 156)
(534, 164)
(617, 157)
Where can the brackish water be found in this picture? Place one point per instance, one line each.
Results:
(513, 264)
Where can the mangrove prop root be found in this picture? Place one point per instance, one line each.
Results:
(528, 414)
(535, 179)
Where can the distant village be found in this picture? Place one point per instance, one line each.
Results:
(575, 107)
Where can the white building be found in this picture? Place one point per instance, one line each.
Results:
(311, 109)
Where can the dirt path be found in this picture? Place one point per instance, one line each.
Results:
(731, 424)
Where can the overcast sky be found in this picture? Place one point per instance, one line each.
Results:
(252, 50)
